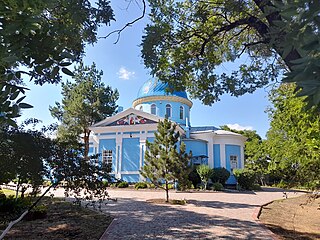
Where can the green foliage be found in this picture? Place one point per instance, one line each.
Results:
(220, 175)
(123, 185)
(293, 140)
(141, 185)
(11, 207)
(188, 40)
(194, 177)
(164, 163)
(85, 101)
(216, 186)
(205, 173)
(40, 39)
(245, 178)
(38, 212)
(22, 154)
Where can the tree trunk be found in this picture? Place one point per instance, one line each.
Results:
(18, 186)
(167, 192)
(86, 143)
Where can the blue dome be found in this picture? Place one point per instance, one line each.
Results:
(155, 87)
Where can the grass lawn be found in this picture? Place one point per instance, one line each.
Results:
(293, 218)
(8, 192)
(64, 221)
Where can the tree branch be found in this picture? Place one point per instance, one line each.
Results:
(129, 24)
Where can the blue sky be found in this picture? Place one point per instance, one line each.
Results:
(123, 69)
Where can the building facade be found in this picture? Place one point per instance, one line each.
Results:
(121, 139)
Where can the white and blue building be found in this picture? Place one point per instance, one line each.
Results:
(121, 139)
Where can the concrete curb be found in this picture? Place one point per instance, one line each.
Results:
(256, 214)
(105, 235)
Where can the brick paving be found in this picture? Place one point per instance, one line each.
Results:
(208, 215)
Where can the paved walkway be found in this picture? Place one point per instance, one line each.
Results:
(211, 215)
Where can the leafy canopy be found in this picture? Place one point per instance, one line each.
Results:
(293, 140)
(188, 40)
(40, 39)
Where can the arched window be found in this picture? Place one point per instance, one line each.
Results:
(181, 112)
(153, 109)
(168, 110)
(141, 108)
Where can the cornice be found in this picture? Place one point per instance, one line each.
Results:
(162, 98)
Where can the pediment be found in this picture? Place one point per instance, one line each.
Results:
(130, 116)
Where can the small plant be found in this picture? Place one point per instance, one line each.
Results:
(205, 172)
(217, 186)
(246, 178)
(179, 202)
(220, 175)
(194, 177)
(151, 185)
(123, 185)
(38, 212)
(140, 185)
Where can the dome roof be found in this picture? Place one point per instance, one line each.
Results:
(155, 87)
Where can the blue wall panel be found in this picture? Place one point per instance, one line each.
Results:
(216, 156)
(108, 144)
(197, 147)
(91, 151)
(130, 154)
(130, 177)
(234, 150)
(150, 139)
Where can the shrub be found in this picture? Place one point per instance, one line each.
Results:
(205, 173)
(38, 212)
(246, 178)
(178, 202)
(2, 195)
(220, 175)
(140, 185)
(11, 204)
(282, 184)
(123, 185)
(194, 177)
(217, 186)
(151, 185)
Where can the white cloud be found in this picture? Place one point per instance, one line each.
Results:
(123, 73)
(236, 126)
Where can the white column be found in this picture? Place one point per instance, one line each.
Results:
(118, 155)
(223, 155)
(242, 156)
(210, 153)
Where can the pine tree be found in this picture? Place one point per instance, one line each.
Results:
(163, 161)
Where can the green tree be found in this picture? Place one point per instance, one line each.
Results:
(205, 173)
(23, 153)
(85, 101)
(188, 40)
(163, 161)
(293, 140)
(39, 39)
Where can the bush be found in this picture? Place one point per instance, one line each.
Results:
(151, 185)
(11, 204)
(38, 212)
(282, 184)
(2, 195)
(140, 185)
(194, 177)
(246, 178)
(217, 186)
(123, 185)
(220, 175)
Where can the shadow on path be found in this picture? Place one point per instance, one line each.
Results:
(142, 220)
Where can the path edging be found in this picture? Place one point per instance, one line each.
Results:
(256, 214)
(106, 232)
